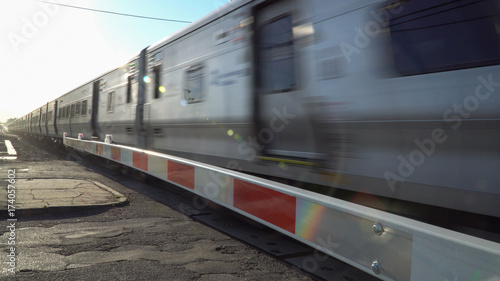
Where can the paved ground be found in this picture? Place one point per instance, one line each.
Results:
(149, 238)
(63, 193)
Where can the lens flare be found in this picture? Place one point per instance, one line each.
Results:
(146, 79)
(230, 132)
(162, 89)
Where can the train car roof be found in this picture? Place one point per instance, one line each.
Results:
(227, 8)
(214, 15)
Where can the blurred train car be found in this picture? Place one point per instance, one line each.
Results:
(392, 98)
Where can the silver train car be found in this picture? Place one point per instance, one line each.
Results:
(398, 99)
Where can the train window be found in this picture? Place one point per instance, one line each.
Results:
(194, 84)
(49, 116)
(72, 112)
(77, 109)
(157, 81)
(432, 36)
(111, 99)
(64, 112)
(67, 112)
(276, 56)
(60, 113)
(44, 117)
(84, 108)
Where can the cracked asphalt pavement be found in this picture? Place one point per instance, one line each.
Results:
(151, 238)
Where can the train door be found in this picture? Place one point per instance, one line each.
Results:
(95, 106)
(56, 116)
(39, 120)
(30, 122)
(283, 127)
(46, 120)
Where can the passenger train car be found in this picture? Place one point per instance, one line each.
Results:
(399, 99)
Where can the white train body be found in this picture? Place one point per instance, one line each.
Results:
(372, 96)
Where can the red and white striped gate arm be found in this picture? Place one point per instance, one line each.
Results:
(385, 245)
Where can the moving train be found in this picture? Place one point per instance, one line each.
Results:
(399, 99)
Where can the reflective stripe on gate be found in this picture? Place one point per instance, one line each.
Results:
(385, 245)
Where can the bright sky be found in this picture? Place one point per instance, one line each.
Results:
(48, 50)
